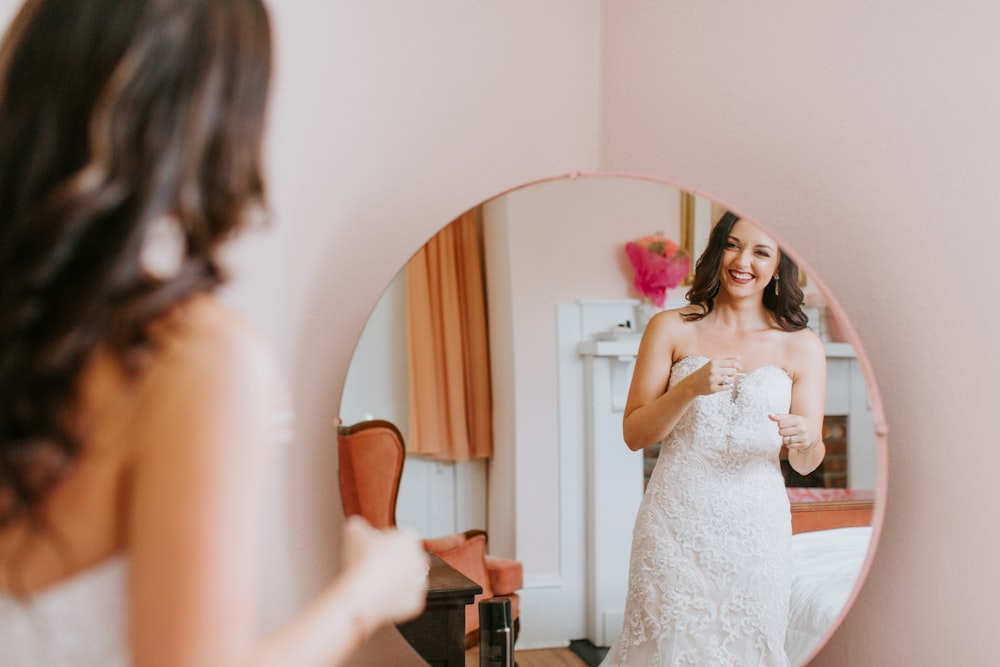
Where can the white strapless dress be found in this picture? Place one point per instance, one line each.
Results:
(83, 621)
(709, 575)
(79, 622)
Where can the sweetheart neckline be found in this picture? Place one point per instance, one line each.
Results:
(749, 372)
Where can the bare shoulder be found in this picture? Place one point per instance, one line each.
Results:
(670, 323)
(804, 351)
(671, 331)
(206, 320)
(806, 342)
(205, 347)
(204, 330)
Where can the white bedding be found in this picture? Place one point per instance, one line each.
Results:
(825, 567)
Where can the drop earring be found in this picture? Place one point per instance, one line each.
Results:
(777, 285)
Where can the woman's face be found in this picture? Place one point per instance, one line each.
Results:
(749, 260)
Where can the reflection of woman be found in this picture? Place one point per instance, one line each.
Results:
(137, 414)
(724, 383)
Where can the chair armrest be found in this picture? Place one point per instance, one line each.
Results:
(446, 543)
(506, 575)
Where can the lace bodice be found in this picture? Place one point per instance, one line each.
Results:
(709, 572)
(77, 623)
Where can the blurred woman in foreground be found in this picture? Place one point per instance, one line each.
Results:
(136, 412)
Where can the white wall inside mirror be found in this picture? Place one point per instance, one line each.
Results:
(435, 497)
(561, 240)
(372, 389)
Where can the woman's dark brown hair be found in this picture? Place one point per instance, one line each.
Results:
(785, 303)
(114, 113)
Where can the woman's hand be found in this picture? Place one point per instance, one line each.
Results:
(383, 580)
(794, 432)
(390, 568)
(715, 376)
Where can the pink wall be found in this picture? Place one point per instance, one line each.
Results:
(388, 122)
(866, 136)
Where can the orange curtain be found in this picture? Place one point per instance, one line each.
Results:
(449, 367)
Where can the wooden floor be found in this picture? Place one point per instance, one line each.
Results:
(544, 657)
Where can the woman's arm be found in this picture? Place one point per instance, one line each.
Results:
(202, 438)
(802, 429)
(651, 411)
(383, 580)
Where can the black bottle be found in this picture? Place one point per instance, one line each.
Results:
(496, 633)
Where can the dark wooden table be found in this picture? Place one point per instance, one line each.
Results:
(438, 634)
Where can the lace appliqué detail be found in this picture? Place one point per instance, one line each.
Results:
(709, 573)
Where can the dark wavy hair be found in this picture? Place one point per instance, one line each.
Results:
(786, 303)
(114, 113)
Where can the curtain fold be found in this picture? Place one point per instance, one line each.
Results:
(449, 368)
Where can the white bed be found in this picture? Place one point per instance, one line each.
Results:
(825, 567)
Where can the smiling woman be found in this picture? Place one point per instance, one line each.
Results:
(722, 384)
(558, 285)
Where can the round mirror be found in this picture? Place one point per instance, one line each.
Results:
(503, 353)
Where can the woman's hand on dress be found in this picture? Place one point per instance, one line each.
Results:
(716, 375)
(391, 567)
(794, 432)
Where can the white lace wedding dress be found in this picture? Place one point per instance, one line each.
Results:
(710, 566)
(75, 623)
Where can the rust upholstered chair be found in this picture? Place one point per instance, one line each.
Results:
(371, 456)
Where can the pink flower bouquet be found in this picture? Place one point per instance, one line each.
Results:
(660, 265)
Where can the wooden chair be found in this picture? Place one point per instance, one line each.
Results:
(371, 456)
